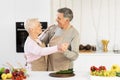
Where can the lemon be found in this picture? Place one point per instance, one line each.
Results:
(9, 75)
(4, 76)
(115, 68)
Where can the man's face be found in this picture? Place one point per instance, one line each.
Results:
(61, 20)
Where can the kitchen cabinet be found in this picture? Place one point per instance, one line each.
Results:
(86, 60)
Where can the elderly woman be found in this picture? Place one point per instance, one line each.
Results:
(35, 51)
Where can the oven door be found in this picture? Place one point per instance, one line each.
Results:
(21, 35)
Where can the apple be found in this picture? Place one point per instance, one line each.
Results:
(93, 68)
(18, 74)
(102, 68)
(6, 71)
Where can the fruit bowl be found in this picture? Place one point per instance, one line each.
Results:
(103, 78)
(11, 73)
(102, 73)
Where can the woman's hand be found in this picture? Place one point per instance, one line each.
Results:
(63, 47)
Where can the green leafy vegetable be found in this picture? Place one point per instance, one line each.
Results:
(69, 71)
(118, 74)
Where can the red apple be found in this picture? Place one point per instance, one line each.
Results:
(102, 68)
(93, 68)
(6, 71)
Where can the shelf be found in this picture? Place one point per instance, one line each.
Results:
(110, 53)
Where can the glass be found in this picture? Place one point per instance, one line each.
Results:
(105, 45)
(116, 49)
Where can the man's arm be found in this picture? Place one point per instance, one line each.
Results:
(44, 37)
(48, 34)
(74, 52)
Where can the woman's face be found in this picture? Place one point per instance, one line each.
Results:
(38, 28)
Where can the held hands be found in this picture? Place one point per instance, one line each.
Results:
(63, 47)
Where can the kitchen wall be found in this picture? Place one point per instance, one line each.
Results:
(94, 19)
(18, 11)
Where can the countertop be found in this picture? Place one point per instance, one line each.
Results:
(81, 66)
(44, 75)
(79, 75)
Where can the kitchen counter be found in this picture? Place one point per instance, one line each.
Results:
(44, 75)
(82, 66)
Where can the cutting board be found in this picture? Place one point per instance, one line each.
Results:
(61, 75)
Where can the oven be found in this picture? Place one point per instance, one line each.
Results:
(21, 35)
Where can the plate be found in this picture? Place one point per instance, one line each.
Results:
(61, 75)
(103, 78)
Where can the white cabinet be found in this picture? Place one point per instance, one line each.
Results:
(86, 60)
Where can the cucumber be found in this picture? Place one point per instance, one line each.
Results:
(118, 74)
(69, 71)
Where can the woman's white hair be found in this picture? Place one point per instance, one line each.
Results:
(30, 23)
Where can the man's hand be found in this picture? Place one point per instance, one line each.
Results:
(63, 47)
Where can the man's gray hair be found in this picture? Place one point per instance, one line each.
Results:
(67, 13)
(30, 23)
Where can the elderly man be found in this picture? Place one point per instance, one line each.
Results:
(60, 33)
(33, 47)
